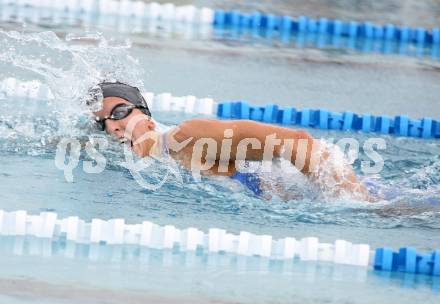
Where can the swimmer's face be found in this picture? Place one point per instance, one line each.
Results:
(140, 124)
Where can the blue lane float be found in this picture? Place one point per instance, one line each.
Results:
(407, 260)
(401, 125)
(372, 43)
(322, 32)
(304, 24)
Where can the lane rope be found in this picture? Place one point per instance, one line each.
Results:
(190, 20)
(400, 125)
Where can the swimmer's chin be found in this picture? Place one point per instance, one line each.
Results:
(138, 151)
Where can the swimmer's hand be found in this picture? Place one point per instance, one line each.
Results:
(335, 176)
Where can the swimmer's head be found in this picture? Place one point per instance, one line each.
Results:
(124, 113)
(121, 90)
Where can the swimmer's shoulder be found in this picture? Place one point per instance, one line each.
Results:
(206, 128)
(204, 125)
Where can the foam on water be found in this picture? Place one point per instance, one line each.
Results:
(68, 68)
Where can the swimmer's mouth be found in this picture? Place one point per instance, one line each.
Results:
(126, 141)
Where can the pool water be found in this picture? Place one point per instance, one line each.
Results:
(30, 130)
(169, 277)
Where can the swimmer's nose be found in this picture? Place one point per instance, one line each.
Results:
(113, 128)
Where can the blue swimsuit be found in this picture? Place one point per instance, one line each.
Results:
(250, 180)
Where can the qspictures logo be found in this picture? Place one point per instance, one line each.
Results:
(307, 156)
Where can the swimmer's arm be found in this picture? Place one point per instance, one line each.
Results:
(244, 131)
(272, 138)
(301, 141)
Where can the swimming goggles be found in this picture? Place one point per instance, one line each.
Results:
(120, 111)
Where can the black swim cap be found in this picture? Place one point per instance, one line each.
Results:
(124, 91)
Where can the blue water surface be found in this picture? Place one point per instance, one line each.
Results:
(30, 131)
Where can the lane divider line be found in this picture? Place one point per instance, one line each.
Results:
(400, 125)
(151, 235)
(210, 23)
(47, 225)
